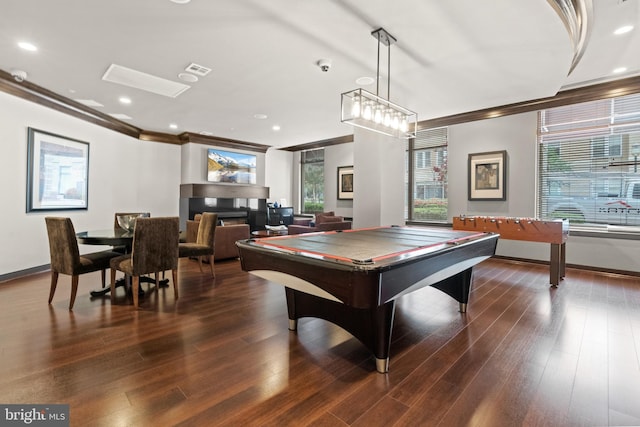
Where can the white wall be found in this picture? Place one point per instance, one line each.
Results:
(125, 174)
(515, 134)
(278, 172)
(378, 179)
(336, 156)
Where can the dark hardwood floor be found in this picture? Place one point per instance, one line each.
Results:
(524, 354)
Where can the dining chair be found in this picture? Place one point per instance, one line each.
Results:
(204, 244)
(154, 250)
(66, 258)
(115, 217)
(116, 226)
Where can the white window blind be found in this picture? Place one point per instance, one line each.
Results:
(588, 162)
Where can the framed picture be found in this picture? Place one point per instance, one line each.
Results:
(57, 172)
(345, 183)
(487, 176)
(227, 166)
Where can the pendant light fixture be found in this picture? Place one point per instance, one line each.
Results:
(366, 110)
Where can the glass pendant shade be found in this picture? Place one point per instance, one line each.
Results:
(366, 110)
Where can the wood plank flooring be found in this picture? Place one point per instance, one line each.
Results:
(525, 354)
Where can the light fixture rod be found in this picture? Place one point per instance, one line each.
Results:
(389, 72)
(387, 39)
(378, 69)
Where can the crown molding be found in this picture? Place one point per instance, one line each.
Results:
(39, 95)
(319, 144)
(594, 92)
(197, 138)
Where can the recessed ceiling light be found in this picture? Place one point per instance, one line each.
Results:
(275, 127)
(27, 46)
(173, 126)
(623, 30)
(365, 81)
(187, 77)
(619, 70)
(180, 1)
(124, 100)
(260, 116)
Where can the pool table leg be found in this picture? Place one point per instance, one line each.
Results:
(458, 287)
(372, 326)
(382, 365)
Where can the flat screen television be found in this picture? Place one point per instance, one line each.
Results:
(227, 166)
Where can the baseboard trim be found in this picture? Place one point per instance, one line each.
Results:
(576, 266)
(24, 273)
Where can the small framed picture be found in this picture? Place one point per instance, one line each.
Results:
(57, 172)
(487, 176)
(345, 183)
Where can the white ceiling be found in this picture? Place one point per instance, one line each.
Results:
(451, 57)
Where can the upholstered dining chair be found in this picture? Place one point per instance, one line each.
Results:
(66, 258)
(154, 250)
(116, 226)
(115, 217)
(203, 246)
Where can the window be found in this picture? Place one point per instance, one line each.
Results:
(588, 162)
(312, 178)
(427, 177)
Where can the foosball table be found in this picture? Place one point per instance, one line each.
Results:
(554, 232)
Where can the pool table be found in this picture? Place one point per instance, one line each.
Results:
(353, 277)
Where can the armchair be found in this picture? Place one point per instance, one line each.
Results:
(326, 221)
(225, 240)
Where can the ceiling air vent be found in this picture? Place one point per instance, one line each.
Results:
(198, 70)
(143, 81)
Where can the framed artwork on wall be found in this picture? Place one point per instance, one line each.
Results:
(345, 183)
(229, 166)
(57, 172)
(487, 176)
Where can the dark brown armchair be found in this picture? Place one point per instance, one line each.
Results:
(326, 221)
(66, 258)
(204, 244)
(154, 250)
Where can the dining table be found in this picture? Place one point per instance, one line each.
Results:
(116, 237)
(108, 237)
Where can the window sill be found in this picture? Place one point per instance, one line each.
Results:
(606, 232)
